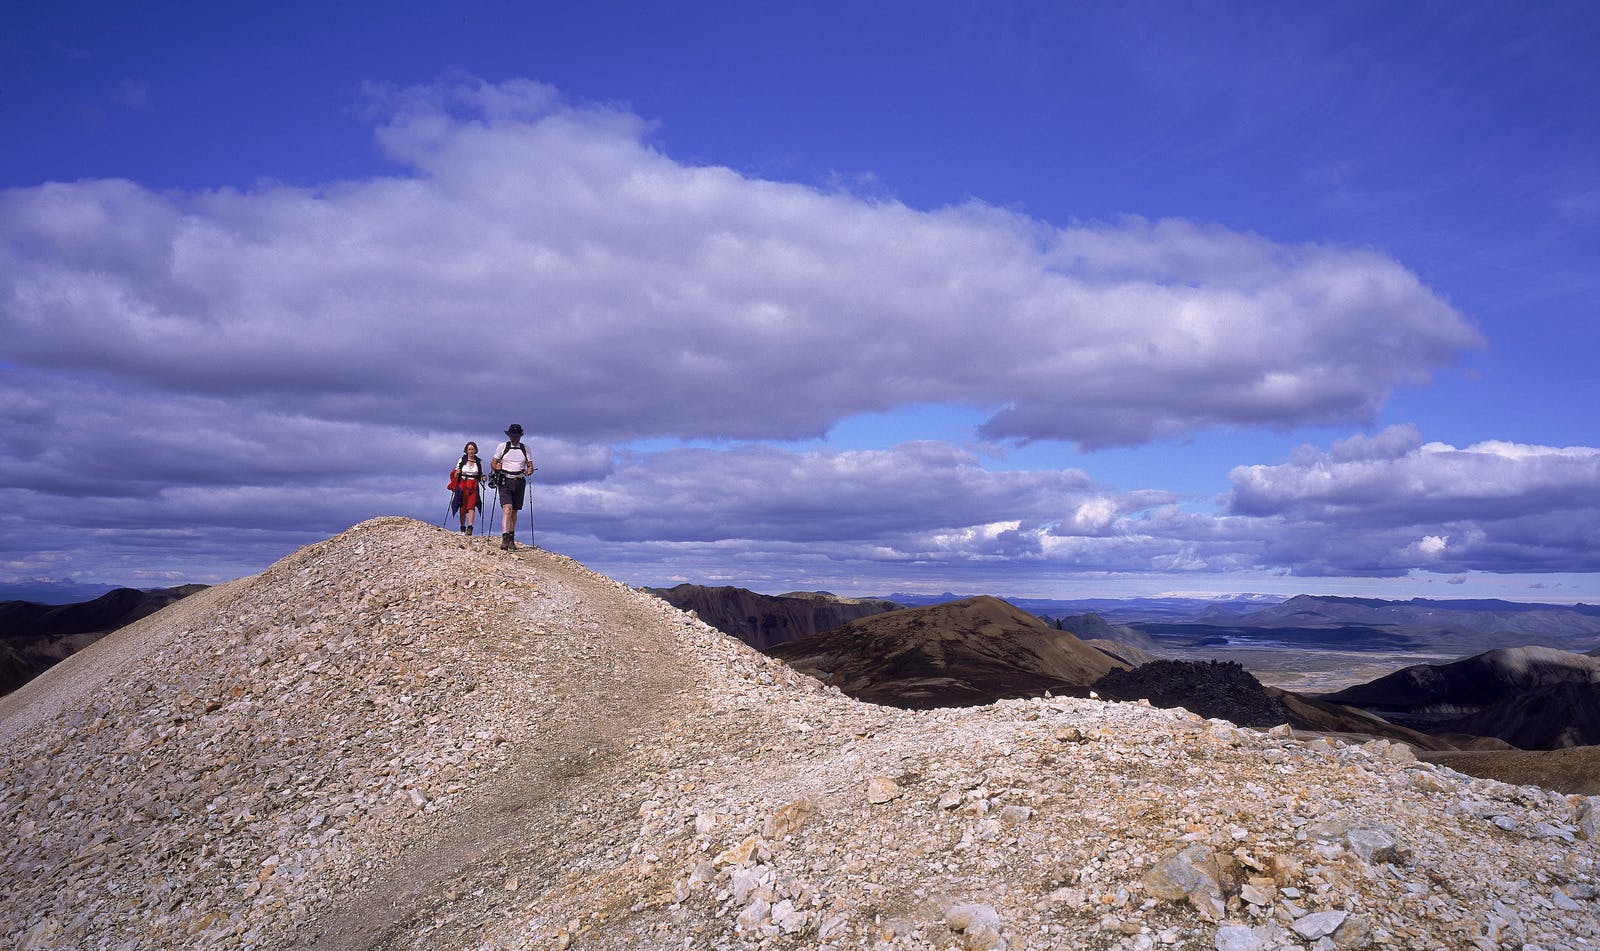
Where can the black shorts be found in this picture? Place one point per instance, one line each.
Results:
(511, 493)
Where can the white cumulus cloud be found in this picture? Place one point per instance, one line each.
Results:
(623, 293)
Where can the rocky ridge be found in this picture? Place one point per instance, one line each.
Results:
(763, 620)
(399, 738)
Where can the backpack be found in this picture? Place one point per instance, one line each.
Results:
(526, 458)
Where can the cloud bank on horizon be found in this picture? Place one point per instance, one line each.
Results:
(252, 368)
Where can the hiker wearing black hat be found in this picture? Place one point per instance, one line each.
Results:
(514, 473)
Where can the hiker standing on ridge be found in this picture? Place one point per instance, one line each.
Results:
(465, 480)
(514, 473)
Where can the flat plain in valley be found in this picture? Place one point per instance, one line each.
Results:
(1306, 670)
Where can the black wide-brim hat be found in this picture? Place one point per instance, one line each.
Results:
(515, 429)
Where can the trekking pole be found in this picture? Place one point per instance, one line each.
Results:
(498, 512)
(499, 509)
(527, 488)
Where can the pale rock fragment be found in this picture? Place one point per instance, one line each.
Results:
(1319, 924)
(788, 818)
(1355, 932)
(1377, 846)
(788, 918)
(1400, 753)
(745, 880)
(1588, 820)
(1238, 938)
(754, 914)
(738, 852)
(979, 926)
(1190, 876)
(882, 789)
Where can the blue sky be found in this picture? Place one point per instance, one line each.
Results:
(1028, 298)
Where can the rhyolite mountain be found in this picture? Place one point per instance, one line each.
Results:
(401, 738)
(764, 620)
(34, 636)
(960, 653)
(1531, 697)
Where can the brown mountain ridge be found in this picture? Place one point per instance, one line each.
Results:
(764, 620)
(960, 653)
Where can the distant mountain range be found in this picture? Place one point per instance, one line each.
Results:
(34, 636)
(1116, 610)
(1466, 626)
(1470, 624)
(1309, 622)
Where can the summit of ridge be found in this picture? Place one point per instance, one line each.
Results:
(403, 738)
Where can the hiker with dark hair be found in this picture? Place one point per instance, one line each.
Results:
(512, 461)
(465, 480)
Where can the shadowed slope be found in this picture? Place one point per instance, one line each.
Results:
(1532, 697)
(35, 636)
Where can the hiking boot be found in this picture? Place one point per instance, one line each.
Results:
(468, 529)
(505, 541)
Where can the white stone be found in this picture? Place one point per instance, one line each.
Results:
(1319, 924)
(1238, 938)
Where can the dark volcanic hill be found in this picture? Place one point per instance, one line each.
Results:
(763, 620)
(33, 637)
(962, 653)
(1207, 688)
(1531, 697)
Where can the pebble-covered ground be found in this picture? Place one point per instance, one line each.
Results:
(400, 738)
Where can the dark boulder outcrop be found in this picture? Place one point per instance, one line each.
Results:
(1221, 689)
(963, 653)
(764, 620)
